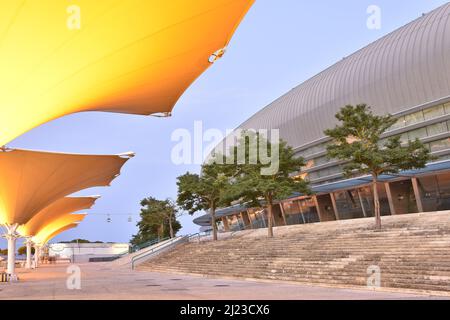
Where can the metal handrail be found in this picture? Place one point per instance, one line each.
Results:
(153, 250)
(146, 244)
(199, 235)
(120, 255)
(156, 245)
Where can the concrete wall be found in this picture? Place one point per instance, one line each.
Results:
(83, 251)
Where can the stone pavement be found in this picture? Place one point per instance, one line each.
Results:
(100, 281)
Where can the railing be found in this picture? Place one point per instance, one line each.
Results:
(198, 236)
(147, 244)
(158, 248)
(109, 258)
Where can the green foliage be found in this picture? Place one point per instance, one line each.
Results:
(358, 140)
(158, 217)
(23, 250)
(207, 191)
(252, 183)
(4, 252)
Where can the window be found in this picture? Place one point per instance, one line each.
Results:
(399, 124)
(413, 118)
(440, 145)
(301, 154)
(434, 112)
(334, 170)
(320, 161)
(313, 176)
(447, 108)
(318, 148)
(312, 150)
(404, 138)
(437, 128)
(323, 173)
(418, 133)
(305, 153)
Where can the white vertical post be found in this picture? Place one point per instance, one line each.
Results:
(11, 236)
(28, 243)
(36, 255)
(11, 254)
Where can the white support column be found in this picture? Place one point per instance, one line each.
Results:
(36, 255)
(11, 236)
(29, 244)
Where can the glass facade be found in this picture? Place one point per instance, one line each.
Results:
(434, 189)
(434, 193)
(319, 172)
(403, 197)
(349, 205)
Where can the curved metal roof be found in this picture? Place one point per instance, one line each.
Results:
(407, 68)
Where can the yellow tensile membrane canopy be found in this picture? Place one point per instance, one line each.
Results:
(55, 211)
(48, 230)
(127, 56)
(57, 232)
(32, 180)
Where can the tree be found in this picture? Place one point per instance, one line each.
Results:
(158, 220)
(169, 214)
(358, 140)
(206, 191)
(23, 250)
(254, 182)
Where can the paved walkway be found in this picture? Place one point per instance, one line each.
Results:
(99, 281)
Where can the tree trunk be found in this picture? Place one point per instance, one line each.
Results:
(161, 232)
(269, 216)
(376, 201)
(171, 227)
(213, 222)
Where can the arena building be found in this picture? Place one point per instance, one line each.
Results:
(407, 74)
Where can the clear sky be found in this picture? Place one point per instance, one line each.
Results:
(279, 45)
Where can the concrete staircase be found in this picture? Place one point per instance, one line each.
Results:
(412, 252)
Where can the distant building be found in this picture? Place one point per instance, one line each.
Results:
(82, 252)
(407, 74)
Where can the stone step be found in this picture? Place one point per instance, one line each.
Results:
(413, 252)
(405, 282)
(359, 265)
(355, 269)
(323, 257)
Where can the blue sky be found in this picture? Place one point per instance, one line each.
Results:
(279, 45)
